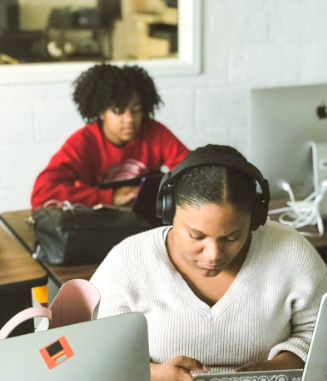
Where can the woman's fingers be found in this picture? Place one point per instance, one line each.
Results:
(177, 369)
(190, 364)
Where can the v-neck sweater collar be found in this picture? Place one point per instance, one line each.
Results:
(233, 291)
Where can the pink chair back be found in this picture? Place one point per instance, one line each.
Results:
(74, 303)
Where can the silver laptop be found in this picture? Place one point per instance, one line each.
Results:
(315, 368)
(113, 348)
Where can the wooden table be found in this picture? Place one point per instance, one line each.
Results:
(19, 273)
(16, 224)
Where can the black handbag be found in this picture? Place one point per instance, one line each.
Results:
(81, 235)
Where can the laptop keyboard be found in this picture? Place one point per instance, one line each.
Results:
(280, 375)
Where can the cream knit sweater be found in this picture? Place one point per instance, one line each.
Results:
(270, 307)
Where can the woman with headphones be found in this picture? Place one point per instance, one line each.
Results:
(222, 288)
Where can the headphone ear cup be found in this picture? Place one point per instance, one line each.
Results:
(168, 205)
(159, 208)
(259, 214)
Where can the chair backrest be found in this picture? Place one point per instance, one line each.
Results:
(74, 303)
(28, 313)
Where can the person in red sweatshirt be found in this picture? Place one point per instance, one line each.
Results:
(119, 141)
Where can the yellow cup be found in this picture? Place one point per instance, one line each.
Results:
(40, 294)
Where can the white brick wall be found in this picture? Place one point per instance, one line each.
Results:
(245, 44)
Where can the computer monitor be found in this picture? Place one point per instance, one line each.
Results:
(283, 122)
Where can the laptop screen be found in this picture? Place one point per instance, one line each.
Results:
(113, 348)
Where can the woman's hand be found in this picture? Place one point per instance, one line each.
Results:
(285, 360)
(124, 195)
(177, 369)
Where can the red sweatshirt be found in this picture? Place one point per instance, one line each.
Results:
(88, 159)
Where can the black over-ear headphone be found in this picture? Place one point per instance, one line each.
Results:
(165, 198)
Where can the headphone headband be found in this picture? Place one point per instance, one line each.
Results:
(215, 159)
(218, 159)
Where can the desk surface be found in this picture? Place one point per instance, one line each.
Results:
(18, 270)
(15, 221)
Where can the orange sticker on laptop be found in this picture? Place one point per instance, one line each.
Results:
(56, 352)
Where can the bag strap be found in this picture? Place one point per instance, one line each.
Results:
(22, 316)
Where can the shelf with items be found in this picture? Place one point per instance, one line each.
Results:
(145, 31)
(80, 43)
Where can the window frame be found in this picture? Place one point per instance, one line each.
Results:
(187, 63)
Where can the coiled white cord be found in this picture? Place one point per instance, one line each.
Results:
(302, 213)
(65, 205)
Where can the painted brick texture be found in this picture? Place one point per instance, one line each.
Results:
(245, 44)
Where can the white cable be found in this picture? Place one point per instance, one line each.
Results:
(50, 202)
(287, 188)
(302, 213)
(65, 205)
